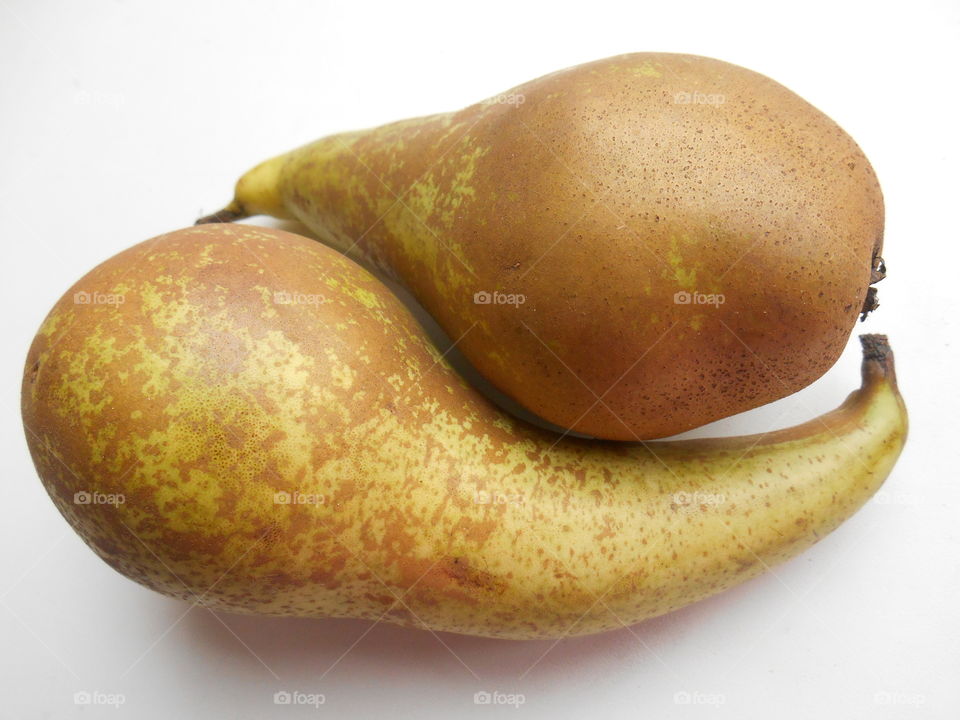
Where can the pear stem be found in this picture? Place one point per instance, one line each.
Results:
(877, 358)
(230, 213)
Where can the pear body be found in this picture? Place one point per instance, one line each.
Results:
(629, 248)
(246, 419)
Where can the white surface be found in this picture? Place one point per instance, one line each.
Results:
(121, 120)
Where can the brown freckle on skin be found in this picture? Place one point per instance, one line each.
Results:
(183, 545)
(270, 534)
(385, 600)
(481, 532)
(459, 571)
(403, 616)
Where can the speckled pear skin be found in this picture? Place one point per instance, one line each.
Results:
(203, 400)
(598, 193)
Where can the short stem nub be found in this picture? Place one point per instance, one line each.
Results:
(231, 213)
(878, 358)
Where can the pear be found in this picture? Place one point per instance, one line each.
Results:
(628, 248)
(246, 419)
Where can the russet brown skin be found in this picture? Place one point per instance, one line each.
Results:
(204, 396)
(597, 198)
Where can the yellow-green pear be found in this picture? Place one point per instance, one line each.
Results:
(246, 419)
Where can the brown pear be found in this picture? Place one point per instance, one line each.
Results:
(629, 248)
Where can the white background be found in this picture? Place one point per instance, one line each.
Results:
(121, 120)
